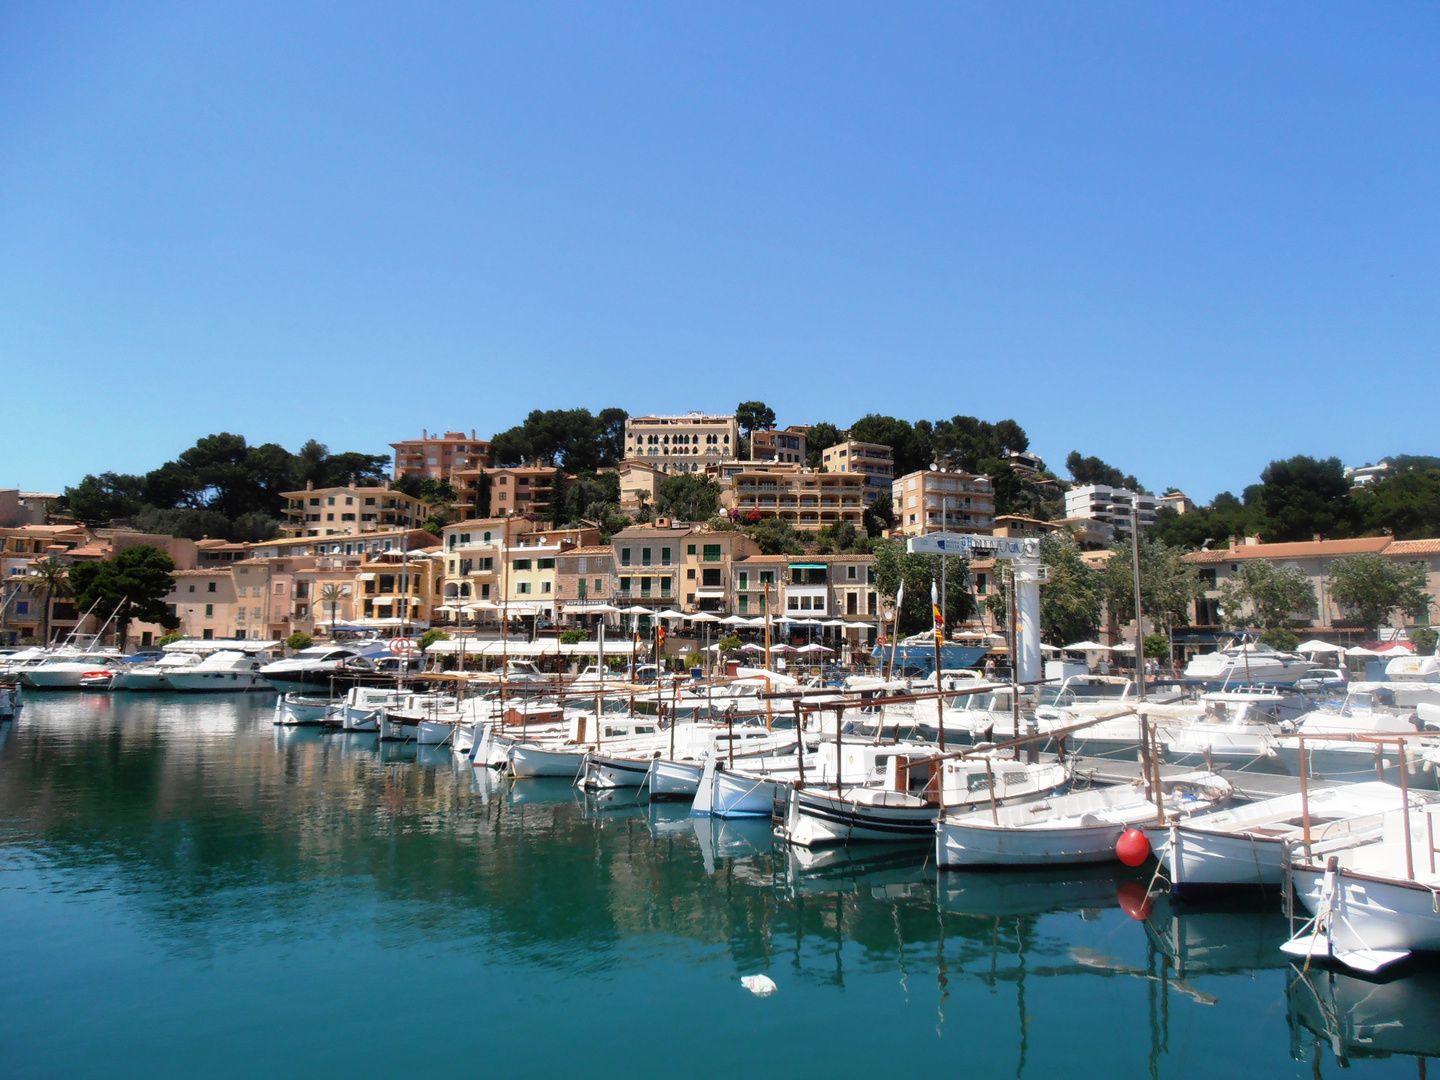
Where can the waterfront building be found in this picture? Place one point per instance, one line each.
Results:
(647, 561)
(24, 507)
(682, 443)
(343, 511)
(943, 500)
(1315, 559)
(811, 587)
(519, 489)
(1177, 501)
(439, 457)
(639, 483)
(584, 579)
(807, 499)
(774, 444)
(707, 561)
(874, 461)
(1110, 506)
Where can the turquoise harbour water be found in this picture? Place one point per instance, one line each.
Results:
(187, 891)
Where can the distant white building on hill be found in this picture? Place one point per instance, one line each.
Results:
(1110, 505)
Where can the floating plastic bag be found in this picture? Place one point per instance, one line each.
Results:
(760, 985)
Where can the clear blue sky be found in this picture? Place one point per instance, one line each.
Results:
(1186, 238)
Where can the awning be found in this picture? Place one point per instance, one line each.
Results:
(549, 647)
(366, 577)
(710, 593)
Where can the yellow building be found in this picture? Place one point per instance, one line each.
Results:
(808, 500)
(344, 511)
(685, 443)
(936, 500)
(874, 461)
(439, 457)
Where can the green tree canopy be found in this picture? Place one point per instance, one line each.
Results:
(1167, 583)
(820, 438)
(1071, 602)
(687, 496)
(1301, 496)
(753, 416)
(912, 445)
(130, 585)
(1266, 595)
(1369, 587)
(572, 439)
(1091, 470)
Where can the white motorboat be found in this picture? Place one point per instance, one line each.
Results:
(1247, 845)
(294, 710)
(1371, 904)
(566, 756)
(320, 667)
(152, 676)
(905, 806)
(227, 671)
(1248, 664)
(67, 670)
(1080, 827)
(10, 700)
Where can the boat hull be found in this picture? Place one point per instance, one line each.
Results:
(817, 819)
(1372, 914)
(674, 781)
(212, 682)
(604, 771)
(530, 761)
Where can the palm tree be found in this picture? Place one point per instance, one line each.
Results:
(51, 578)
(330, 595)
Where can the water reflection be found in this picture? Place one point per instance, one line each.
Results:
(225, 834)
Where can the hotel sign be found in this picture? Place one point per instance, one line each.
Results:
(1000, 547)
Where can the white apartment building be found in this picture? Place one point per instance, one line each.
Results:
(1110, 505)
(937, 500)
(872, 460)
(686, 443)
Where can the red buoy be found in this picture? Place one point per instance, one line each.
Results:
(1132, 848)
(1134, 900)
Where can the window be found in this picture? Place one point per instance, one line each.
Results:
(22, 607)
(644, 556)
(624, 556)
(545, 564)
(347, 517)
(598, 585)
(544, 586)
(192, 588)
(712, 552)
(744, 604)
(484, 592)
(349, 501)
(520, 564)
(767, 577)
(664, 556)
(664, 586)
(209, 611)
(522, 587)
(329, 517)
(690, 549)
(744, 579)
(690, 574)
(852, 573)
(330, 500)
(207, 634)
(210, 587)
(710, 578)
(625, 584)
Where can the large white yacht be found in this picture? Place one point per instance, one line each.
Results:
(229, 671)
(65, 670)
(321, 667)
(1247, 664)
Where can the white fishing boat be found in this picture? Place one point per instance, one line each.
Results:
(738, 743)
(227, 671)
(1247, 845)
(1371, 904)
(295, 710)
(905, 805)
(1080, 827)
(674, 781)
(566, 756)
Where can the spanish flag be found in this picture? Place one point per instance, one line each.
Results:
(659, 637)
(939, 619)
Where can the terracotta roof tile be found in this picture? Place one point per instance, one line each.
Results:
(1305, 549)
(1414, 547)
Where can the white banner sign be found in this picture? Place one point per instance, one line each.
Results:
(1001, 547)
